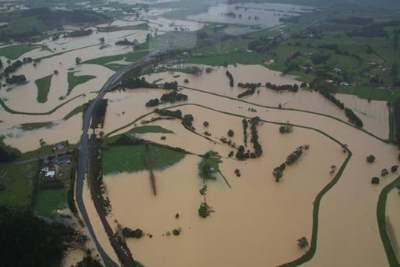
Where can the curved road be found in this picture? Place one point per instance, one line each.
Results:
(111, 83)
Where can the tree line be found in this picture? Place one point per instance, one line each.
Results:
(230, 77)
(290, 160)
(171, 97)
(241, 153)
(326, 90)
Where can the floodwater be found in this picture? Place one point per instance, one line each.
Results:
(353, 198)
(374, 114)
(264, 15)
(263, 215)
(352, 241)
(23, 98)
(72, 257)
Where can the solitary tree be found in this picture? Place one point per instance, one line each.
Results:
(371, 159)
(78, 60)
(394, 168)
(231, 133)
(375, 180)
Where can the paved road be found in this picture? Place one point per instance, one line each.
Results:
(84, 154)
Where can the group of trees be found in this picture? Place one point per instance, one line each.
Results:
(171, 97)
(125, 42)
(8, 153)
(187, 121)
(249, 85)
(287, 128)
(204, 210)
(351, 116)
(230, 77)
(29, 241)
(248, 92)
(241, 153)
(170, 85)
(331, 98)
(251, 89)
(169, 113)
(245, 125)
(285, 87)
(16, 79)
(13, 67)
(128, 232)
(291, 159)
(133, 83)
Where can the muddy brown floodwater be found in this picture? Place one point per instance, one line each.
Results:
(256, 221)
(254, 216)
(374, 114)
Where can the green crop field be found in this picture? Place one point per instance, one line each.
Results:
(48, 201)
(118, 159)
(74, 81)
(15, 51)
(73, 112)
(16, 183)
(43, 86)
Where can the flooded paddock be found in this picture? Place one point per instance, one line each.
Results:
(262, 214)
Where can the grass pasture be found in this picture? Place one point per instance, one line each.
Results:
(130, 158)
(43, 87)
(74, 81)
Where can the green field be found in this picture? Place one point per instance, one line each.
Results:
(16, 182)
(35, 125)
(73, 112)
(74, 81)
(130, 158)
(150, 129)
(15, 51)
(107, 60)
(48, 201)
(234, 57)
(104, 60)
(43, 86)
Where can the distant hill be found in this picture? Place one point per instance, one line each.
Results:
(27, 24)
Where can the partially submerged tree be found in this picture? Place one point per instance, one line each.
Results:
(375, 180)
(371, 159)
(302, 242)
(204, 210)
